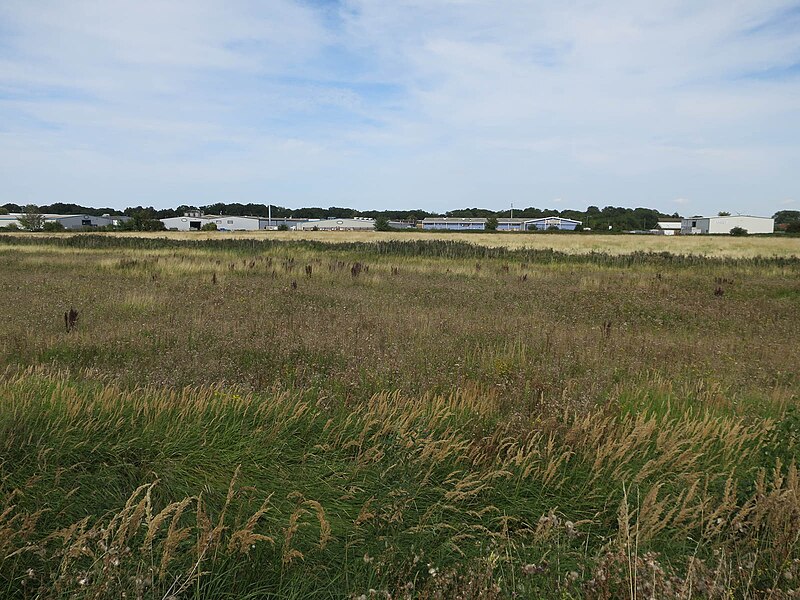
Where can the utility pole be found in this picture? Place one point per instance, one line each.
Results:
(269, 210)
(512, 210)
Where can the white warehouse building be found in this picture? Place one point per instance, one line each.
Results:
(724, 224)
(196, 221)
(70, 222)
(353, 224)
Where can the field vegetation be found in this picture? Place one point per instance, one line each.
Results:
(568, 242)
(396, 418)
(720, 246)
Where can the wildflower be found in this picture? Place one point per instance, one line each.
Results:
(532, 568)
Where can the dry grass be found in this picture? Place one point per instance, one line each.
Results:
(426, 427)
(717, 246)
(721, 246)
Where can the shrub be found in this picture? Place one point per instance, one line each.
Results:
(53, 226)
(738, 231)
(793, 227)
(283, 227)
(209, 227)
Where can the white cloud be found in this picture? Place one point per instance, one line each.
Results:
(434, 103)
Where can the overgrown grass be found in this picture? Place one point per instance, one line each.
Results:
(259, 419)
(445, 247)
(398, 494)
(567, 242)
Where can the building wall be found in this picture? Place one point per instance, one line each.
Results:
(222, 222)
(694, 225)
(547, 223)
(184, 223)
(338, 225)
(68, 221)
(722, 225)
(289, 222)
(460, 226)
(237, 223)
(7, 220)
(81, 221)
(751, 224)
(508, 225)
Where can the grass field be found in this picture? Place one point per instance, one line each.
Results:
(382, 417)
(715, 245)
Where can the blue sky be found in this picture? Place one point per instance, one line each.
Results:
(683, 106)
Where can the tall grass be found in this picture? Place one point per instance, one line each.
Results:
(238, 419)
(205, 490)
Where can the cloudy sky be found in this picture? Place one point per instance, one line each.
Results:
(683, 106)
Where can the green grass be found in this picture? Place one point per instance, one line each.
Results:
(471, 422)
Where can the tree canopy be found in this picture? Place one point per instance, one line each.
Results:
(786, 216)
(31, 218)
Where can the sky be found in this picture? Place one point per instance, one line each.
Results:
(684, 106)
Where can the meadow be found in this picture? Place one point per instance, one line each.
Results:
(571, 243)
(393, 417)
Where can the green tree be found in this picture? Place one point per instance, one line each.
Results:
(53, 226)
(31, 219)
(738, 231)
(723, 213)
(491, 224)
(209, 227)
(786, 216)
(3, 211)
(382, 224)
(141, 219)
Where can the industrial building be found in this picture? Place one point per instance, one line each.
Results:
(194, 221)
(457, 223)
(552, 223)
(518, 224)
(511, 224)
(71, 222)
(353, 224)
(668, 227)
(289, 222)
(724, 224)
